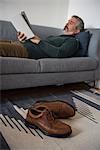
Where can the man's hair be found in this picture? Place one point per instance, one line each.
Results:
(80, 26)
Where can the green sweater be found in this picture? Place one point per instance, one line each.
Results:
(61, 46)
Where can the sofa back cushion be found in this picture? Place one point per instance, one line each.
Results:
(7, 31)
(44, 31)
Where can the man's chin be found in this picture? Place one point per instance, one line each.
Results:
(65, 32)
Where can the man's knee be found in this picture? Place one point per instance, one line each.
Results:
(12, 49)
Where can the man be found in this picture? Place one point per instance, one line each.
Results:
(61, 46)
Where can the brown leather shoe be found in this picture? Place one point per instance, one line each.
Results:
(42, 119)
(60, 109)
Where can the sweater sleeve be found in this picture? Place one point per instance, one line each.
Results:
(67, 49)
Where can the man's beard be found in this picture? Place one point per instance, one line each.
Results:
(66, 27)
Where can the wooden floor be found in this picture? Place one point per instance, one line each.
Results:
(38, 91)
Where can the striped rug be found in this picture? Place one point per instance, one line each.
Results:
(85, 124)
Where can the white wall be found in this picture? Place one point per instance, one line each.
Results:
(53, 12)
(41, 12)
(89, 10)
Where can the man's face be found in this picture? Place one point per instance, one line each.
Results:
(71, 26)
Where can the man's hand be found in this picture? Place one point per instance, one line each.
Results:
(35, 39)
(21, 36)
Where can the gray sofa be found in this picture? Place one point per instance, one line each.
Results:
(23, 73)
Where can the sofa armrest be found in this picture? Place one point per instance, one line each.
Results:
(94, 49)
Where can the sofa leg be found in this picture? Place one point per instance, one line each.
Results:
(94, 84)
(97, 84)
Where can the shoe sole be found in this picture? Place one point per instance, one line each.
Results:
(33, 126)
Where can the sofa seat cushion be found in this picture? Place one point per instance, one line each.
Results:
(12, 65)
(68, 64)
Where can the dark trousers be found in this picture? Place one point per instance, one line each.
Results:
(34, 50)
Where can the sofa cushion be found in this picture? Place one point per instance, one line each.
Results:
(84, 38)
(67, 64)
(13, 65)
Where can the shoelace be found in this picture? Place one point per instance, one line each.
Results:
(50, 115)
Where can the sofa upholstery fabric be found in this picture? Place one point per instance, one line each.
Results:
(25, 72)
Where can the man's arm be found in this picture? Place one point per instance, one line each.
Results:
(35, 39)
(67, 49)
